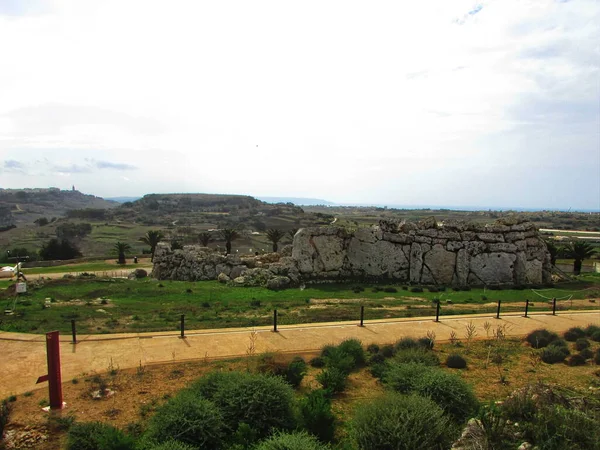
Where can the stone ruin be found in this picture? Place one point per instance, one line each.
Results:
(505, 253)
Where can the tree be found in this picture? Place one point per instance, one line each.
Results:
(293, 232)
(152, 238)
(122, 248)
(275, 236)
(229, 234)
(578, 251)
(553, 250)
(55, 249)
(42, 221)
(204, 238)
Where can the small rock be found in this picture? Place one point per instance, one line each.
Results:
(223, 278)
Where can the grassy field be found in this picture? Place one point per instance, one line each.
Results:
(80, 268)
(119, 305)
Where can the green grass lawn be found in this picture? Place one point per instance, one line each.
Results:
(79, 268)
(118, 305)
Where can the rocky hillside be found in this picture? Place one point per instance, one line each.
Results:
(24, 206)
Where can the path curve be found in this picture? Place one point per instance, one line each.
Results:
(24, 355)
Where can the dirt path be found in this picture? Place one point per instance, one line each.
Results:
(24, 355)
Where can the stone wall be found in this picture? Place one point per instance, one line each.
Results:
(425, 253)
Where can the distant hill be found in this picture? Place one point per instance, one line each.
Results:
(300, 201)
(122, 199)
(21, 206)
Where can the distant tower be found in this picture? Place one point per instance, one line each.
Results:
(73, 189)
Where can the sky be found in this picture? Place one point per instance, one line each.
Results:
(464, 103)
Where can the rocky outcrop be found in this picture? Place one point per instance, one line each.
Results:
(451, 253)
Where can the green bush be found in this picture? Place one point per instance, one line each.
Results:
(586, 353)
(327, 349)
(339, 359)
(295, 371)
(98, 436)
(333, 380)
(561, 428)
(354, 348)
(172, 445)
(291, 441)
(581, 343)
(590, 330)
(317, 362)
(561, 343)
(597, 356)
(541, 338)
(576, 360)
(407, 343)
(417, 355)
(263, 401)
(388, 351)
(316, 416)
(188, 418)
(572, 334)
(398, 422)
(373, 348)
(447, 390)
(426, 343)
(455, 361)
(554, 354)
(596, 336)
(378, 370)
(376, 358)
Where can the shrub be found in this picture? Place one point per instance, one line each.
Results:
(317, 362)
(340, 360)
(291, 441)
(316, 416)
(326, 350)
(5, 410)
(401, 422)
(295, 371)
(541, 338)
(264, 401)
(572, 334)
(455, 361)
(581, 343)
(416, 289)
(597, 356)
(188, 418)
(586, 353)
(172, 445)
(373, 348)
(378, 370)
(418, 356)
(590, 330)
(390, 290)
(353, 347)
(377, 358)
(554, 354)
(388, 351)
(97, 435)
(576, 360)
(333, 380)
(426, 343)
(560, 343)
(406, 343)
(447, 390)
(558, 427)
(596, 336)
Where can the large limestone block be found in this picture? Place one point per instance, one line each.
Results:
(491, 237)
(416, 262)
(493, 268)
(533, 270)
(441, 264)
(520, 269)
(304, 251)
(329, 252)
(381, 259)
(462, 267)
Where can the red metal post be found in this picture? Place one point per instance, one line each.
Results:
(54, 375)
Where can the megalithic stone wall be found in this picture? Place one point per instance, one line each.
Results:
(427, 253)
(453, 253)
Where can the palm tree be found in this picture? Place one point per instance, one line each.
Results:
(204, 238)
(553, 250)
(293, 232)
(122, 248)
(229, 234)
(152, 238)
(578, 251)
(275, 236)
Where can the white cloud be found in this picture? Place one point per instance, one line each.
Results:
(386, 102)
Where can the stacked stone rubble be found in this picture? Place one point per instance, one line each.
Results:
(426, 253)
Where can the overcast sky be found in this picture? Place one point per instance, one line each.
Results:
(462, 103)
